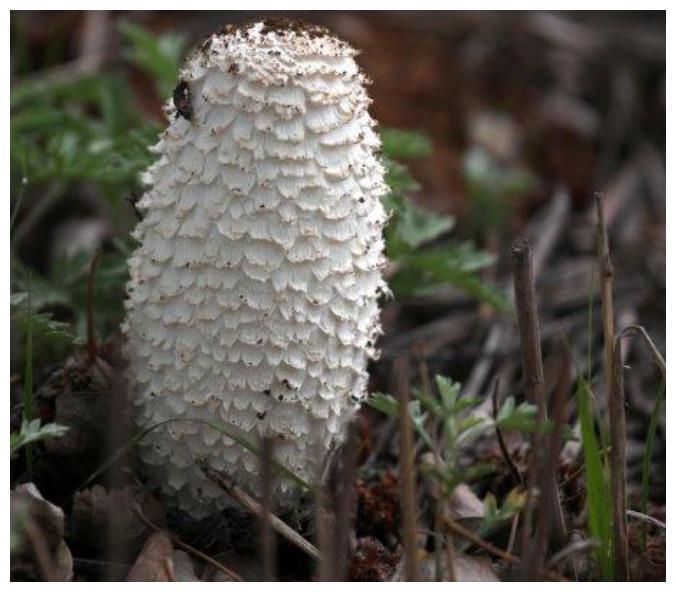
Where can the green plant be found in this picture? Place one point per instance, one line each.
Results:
(599, 522)
(458, 424)
(158, 55)
(492, 188)
(32, 431)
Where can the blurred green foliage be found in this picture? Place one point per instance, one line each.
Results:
(492, 188)
(417, 239)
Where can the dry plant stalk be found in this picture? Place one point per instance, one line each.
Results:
(618, 464)
(547, 480)
(534, 388)
(607, 275)
(614, 384)
(406, 474)
(655, 354)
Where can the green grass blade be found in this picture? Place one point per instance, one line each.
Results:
(598, 494)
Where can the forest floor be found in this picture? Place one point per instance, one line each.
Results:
(528, 116)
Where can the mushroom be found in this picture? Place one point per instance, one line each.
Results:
(253, 293)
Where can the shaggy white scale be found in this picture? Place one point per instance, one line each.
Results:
(253, 297)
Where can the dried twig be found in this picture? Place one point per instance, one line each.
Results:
(547, 473)
(407, 474)
(255, 508)
(534, 387)
(652, 348)
(618, 463)
(526, 307)
(186, 547)
(607, 276)
(647, 519)
(614, 383)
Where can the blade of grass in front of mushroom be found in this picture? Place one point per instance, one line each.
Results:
(646, 465)
(598, 493)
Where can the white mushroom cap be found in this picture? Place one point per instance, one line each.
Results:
(253, 297)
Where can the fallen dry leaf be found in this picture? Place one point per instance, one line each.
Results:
(37, 546)
(155, 562)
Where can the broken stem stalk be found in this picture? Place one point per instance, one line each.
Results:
(534, 388)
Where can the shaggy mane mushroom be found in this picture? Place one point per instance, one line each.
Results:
(253, 297)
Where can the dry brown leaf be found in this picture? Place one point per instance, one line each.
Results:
(155, 562)
(37, 529)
